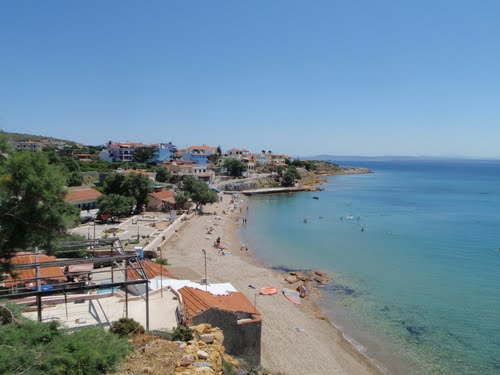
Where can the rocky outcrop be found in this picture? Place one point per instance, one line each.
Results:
(355, 170)
(250, 184)
(205, 353)
(306, 277)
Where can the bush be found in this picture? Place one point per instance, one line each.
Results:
(182, 333)
(162, 261)
(125, 327)
(30, 347)
(228, 368)
(165, 335)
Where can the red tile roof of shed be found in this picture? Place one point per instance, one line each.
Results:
(197, 301)
(164, 196)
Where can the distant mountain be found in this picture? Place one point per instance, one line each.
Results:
(40, 138)
(340, 158)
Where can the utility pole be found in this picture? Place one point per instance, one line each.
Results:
(161, 272)
(206, 278)
(38, 286)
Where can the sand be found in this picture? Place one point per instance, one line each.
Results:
(295, 339)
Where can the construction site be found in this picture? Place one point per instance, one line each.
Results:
(103, 284)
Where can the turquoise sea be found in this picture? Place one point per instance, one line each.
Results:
(414, 253)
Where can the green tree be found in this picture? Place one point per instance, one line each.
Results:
(5, 149)
(163, 174)
(70, 164)
(234, 167)
(290, 176)
(5, 146)
(143, 154)
(133, 185)
(33, 211)
(113, 183)
(137, 186)
(52, 155)
(181, 199)
(115, 205)
(199, 192)
(75, 179)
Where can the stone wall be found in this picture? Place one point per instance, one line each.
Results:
(241, 340)
(204, 354)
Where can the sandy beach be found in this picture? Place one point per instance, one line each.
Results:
(295, 339)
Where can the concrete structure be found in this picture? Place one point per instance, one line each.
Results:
(237, 153)
(123, 152)
(234, 314)
(83, 198)
(181, 168)
(28, 145)
(198, 154)
(164, 152)
(104, 155)
(259, 159)
(102, 310)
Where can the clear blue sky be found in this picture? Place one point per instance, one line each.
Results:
(301, 77)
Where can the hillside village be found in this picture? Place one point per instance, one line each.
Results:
(128, 201)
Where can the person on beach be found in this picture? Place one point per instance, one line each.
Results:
(302, 290)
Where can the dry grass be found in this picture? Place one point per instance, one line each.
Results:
(151, 355)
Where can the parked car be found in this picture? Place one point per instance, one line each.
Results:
(86, 219)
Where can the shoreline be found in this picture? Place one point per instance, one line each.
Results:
(295, 339)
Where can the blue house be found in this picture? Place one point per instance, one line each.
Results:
(164, 152)
(198, 154)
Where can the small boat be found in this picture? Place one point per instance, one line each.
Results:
(269, 291)
(292, 295)
(315, 197)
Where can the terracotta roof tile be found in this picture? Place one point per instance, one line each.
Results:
(82, 194)
(164, 195)
(47, 273)
(203, 147)
(151, 269)
(197, 301)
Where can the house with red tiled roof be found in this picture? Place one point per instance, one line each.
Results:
(161, 201)
(21, 277)
(233, 313)
(182, 168)
(83, 198)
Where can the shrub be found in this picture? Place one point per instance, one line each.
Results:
(30, 347)
(182, 333)
(162, 261)
(166, 335)
(228, 368)
(125, 327)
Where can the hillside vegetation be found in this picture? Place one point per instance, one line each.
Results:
(39, 138)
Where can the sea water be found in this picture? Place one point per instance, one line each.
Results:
(414, 250)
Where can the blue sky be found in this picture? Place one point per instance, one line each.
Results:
(301, 77)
